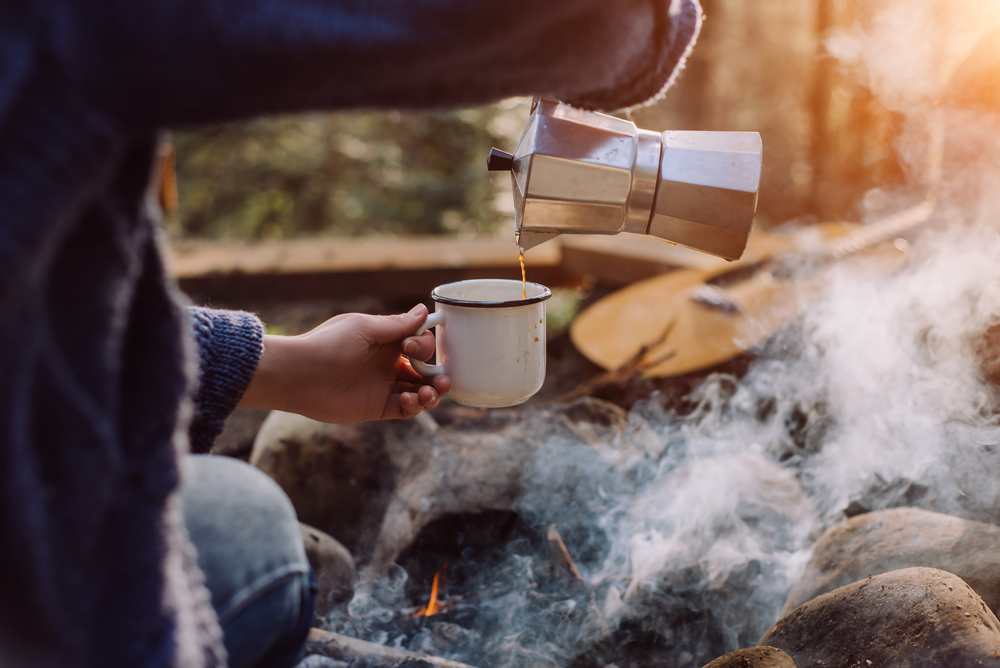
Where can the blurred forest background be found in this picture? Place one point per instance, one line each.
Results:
(758, 66)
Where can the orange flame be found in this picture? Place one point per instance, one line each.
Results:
(432, 607)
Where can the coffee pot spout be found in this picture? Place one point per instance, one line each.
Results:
(582, 172)
(527, 239)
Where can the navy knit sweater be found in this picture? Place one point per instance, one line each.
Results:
(97, 361)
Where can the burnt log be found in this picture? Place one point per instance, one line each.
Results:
(345, 648)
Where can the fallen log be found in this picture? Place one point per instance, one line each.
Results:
(345, 648)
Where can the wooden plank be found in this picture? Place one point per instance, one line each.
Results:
(409, 268)
(626, 258)
(389, 284)
(333, 268)
(331, 255)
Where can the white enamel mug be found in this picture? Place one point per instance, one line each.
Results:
(490, 340)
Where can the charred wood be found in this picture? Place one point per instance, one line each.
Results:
(345, 648)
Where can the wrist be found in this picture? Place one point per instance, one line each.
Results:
(267, 387)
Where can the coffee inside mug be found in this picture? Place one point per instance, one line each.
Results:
(489, 293)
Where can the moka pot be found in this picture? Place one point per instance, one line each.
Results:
(583, 172)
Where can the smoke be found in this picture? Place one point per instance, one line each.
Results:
(689, 529)
(875, 399)
(906, 51)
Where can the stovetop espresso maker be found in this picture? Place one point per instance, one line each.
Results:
(582, 172)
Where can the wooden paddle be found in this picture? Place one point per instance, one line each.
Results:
(712, 316)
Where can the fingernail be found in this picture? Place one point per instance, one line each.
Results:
(417, 310)
(410, 347)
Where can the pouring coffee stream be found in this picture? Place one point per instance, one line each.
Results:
(524, 277)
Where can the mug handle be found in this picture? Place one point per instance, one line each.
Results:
(424, 369)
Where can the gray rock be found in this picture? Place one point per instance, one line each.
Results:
(910, 617)
(890, 540)
(374, 486)
(511, 460)
(239, 432)
(338, 477)
(754, 657)
(333, 565)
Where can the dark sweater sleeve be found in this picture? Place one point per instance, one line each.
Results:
(230, 344)
(161, 62)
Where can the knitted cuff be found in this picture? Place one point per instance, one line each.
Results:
(230, 344)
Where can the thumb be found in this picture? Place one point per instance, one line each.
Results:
(392, 328)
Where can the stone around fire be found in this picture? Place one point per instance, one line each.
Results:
(374, 486)
(911, 617)
(333, 566)
(888, 540)
(339, 477)
(754, 657)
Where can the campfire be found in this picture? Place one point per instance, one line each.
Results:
(863, 439)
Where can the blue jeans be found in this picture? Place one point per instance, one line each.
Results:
(250, 550)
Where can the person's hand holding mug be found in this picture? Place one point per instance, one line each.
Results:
(349, 369)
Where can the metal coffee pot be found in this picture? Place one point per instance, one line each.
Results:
(582, 172)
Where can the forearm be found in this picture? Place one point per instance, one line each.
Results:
(179, 61)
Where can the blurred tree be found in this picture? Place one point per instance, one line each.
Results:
(853, 134)
(346, 174)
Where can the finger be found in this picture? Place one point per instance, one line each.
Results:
(419, 347)
(428, 397)
(409, 404)
(401, 387)
(392, 328)
(393, 408)
(441, 384)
